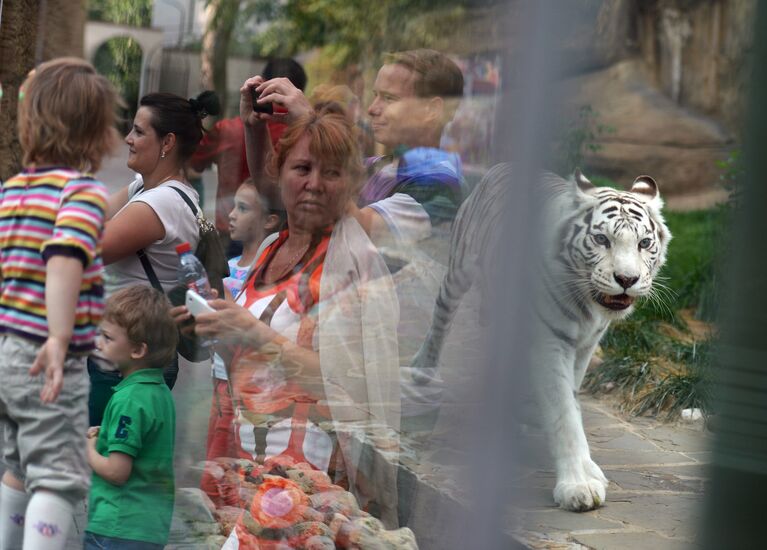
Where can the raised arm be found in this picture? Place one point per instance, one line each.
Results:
(257, 142)
(280, 91)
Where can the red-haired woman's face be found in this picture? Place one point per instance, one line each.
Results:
(314, 193)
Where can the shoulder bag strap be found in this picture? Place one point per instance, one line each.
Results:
(144, 259)
(149, 270)
(186, 198)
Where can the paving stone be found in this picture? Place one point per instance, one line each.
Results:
(608, 457)
(617, 439)
(695, 471)
(644, 481)
(595, 418)
(557, 520)
(700, 456)
(528, 498)
(540, 479)
(675, 516)
(630, 541)
(676, 438)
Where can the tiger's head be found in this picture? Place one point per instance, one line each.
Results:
(618, 242)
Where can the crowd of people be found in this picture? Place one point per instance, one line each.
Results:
(330, 290)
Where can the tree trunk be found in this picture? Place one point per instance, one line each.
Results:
(64, 26)
(20, 50)
(17, 57)
(221, 17)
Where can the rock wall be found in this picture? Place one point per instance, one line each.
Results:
(697, 52)
(669, 78)
(651, 134)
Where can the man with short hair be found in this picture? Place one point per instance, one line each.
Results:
(416, 94)
(415, 187)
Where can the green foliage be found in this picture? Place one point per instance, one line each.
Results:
(347, 31)
(667, 395)
(732, 170)
(121, 12)
(119, 59)
(694, 255)
(580, 134)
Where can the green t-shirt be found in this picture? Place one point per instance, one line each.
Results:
(140, 421)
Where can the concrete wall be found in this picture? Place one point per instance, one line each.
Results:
(149, 40)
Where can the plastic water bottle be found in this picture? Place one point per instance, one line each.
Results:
(191, 273)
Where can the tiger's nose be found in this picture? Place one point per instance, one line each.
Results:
(625, 282)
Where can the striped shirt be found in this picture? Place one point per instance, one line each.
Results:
(45, 212)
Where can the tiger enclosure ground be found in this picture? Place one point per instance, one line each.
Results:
(657, 474)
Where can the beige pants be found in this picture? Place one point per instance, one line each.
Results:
(43, 443)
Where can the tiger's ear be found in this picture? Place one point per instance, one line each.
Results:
(582, 181)
(645, 185)
(647, 189)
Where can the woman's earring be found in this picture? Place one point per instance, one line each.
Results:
(162, 155)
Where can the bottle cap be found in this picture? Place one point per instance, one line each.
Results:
(183, 247)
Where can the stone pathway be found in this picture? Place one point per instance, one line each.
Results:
(657, 476)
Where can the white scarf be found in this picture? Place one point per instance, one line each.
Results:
(358, 316)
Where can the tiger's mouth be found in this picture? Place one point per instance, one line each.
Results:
(615, 302)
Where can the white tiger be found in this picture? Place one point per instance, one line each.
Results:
(604, 249)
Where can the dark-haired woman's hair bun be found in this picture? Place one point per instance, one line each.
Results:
(205, 104)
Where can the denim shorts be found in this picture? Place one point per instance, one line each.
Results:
(100, 542)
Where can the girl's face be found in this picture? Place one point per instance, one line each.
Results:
(314, 193)
(247, 219)
(144, 145)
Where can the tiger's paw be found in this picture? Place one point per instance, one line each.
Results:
(584, 491)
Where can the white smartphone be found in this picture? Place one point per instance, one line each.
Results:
(196, 304)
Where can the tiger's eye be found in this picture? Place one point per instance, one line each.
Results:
(599, 238)
(645, 243)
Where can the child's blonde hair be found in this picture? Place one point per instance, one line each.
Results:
(68, 115)
(144, 313)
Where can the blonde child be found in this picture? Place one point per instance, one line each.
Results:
(51, 222)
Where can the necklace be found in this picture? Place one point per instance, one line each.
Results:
(175, 176)
(289, 264)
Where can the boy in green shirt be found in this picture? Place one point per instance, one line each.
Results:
(131, 453)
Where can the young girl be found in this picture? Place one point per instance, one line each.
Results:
(51, 223)
(255, 225)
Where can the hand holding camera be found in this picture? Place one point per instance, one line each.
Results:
(258, 97)
(265, 108)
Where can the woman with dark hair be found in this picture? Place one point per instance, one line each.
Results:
(150, 217)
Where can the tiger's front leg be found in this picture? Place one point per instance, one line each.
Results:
(581, 485)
